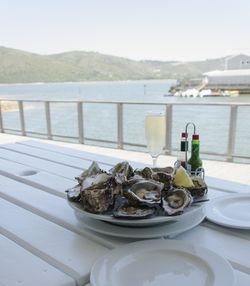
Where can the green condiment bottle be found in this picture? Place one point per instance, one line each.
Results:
(195, 160)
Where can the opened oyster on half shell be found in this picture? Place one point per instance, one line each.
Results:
(176, 201)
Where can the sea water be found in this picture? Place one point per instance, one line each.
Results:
(100, 120)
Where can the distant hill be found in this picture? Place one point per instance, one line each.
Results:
(18, 66)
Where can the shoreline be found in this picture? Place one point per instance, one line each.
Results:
(89, 82)
(9, 106)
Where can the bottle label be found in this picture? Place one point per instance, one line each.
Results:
(195, 160)
(184, 146)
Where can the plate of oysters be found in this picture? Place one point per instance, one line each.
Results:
(136, 197)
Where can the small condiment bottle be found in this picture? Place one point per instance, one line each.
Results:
(195, 161)
(181, 158)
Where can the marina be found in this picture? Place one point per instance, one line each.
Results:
(230, 82)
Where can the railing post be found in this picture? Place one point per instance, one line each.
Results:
(80, 123)
(48, 119)
(21, 114)
(169, 120)
(120, 125)
(232, 132)
(1, 118)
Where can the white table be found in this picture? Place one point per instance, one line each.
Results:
(41, 241)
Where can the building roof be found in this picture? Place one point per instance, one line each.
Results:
(236, 56)
(218, 73)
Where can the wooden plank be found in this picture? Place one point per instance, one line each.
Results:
(52, 208)
(242, 279)
(65, 250)
(39, 179)
(111, 161)
(231, 247)
(20, 267)
(40, 164)
(64, 159)
(229, 186)
(69, 151)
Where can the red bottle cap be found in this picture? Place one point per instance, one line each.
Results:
(184, 134)
(195, 137)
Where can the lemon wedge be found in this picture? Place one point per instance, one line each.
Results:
(182, 179)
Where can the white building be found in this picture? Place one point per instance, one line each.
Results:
(228, 78)
(237, 62)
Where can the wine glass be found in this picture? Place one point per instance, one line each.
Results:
(155, 133)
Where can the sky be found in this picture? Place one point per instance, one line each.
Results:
(183, 30)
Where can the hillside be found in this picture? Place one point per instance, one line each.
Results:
(18, 66)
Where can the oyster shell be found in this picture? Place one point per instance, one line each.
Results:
(97, 193)
(96, 181)
(97, 200)
(124, 210)
(122, 172)
(163, 175)
(131, 212)
(74, 194)
(146, 173)
(200, 187)
(144, 191)
(176, 201)
(92, 170)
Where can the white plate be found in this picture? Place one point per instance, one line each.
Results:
(167, 230)
(161, 263)
(134, 222)
(230, 210)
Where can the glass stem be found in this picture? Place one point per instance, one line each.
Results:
(154, 161)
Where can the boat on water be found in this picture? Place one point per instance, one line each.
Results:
(193, 92)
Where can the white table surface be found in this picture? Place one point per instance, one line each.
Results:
(42, 242)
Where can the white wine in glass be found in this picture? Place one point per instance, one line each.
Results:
(155, 132)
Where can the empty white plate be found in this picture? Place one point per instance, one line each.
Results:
(161, 263)
(230, 210)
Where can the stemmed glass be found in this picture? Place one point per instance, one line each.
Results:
(155, 133)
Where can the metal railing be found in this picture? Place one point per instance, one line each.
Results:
(229, 154)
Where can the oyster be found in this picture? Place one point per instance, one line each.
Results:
(144, 191)
(163, 175)
(146, 173)
(97, 193)
(176, 201)
(124, 210)
(133, 180)
(74, 194)
(131, 212)
(92, 170)
(97, 200)
(200, 187)
(96, 181)
(122, 172)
